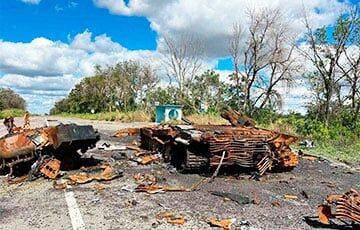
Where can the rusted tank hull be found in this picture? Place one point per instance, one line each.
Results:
(16, 145)
(196, 147)
(28, 145)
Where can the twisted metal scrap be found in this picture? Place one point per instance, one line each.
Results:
(347, 207)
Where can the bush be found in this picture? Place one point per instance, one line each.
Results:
(11, 113)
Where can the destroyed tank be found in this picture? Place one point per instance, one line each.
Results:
(27, 145)
(200, 147)
(196, 147)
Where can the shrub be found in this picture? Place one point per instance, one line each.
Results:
(11, 113)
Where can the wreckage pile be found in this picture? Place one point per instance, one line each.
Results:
(46, 149)
(198, 147)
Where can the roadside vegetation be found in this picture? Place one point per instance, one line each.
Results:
(11, 104)
(266, 56)
(131, 116)
(11, 113)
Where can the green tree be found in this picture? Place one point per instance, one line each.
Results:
(11, 100)
(121, 87)
(334, 52)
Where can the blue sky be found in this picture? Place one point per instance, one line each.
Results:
(47, 46)
(59, 19)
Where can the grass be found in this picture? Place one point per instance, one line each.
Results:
(345, 150)
(11, 113)
(347, 153)
(207, 119)
(142, 116)
(133, 116)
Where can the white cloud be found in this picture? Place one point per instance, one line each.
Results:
(40, 92)
(31, 1)
(43, 57)
(45, 70)
(212, 20)
(21, 82)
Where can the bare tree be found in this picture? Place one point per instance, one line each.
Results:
(234, 50)
(183, 60)
(266, 57)
(329, 54)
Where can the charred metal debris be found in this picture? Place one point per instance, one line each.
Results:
(44, 150)
(347, 208)
(199, 147)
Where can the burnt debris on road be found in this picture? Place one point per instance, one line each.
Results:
(147, 158)
(46, 149)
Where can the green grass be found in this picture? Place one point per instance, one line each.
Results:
(11, 113)
(133, 116)
(347, 153)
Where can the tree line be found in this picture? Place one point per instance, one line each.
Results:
(266, 55)
(11, 100)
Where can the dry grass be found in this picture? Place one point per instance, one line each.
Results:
(207, 119)
(133, 116)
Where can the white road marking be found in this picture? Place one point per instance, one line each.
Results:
(74, 211)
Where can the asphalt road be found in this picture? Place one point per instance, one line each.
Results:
(37, 205)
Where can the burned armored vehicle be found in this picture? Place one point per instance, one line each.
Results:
(195, 147)
(60, 142)
(192, 147)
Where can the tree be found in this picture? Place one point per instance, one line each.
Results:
(182, 58)
(335, 68)
(234, 50)
(123, 86)
(207, 90)
(349, 63)
(10, 100)
(267, 58)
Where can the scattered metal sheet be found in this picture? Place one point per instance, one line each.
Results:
(147, 159)
(145, 178)
(310, 158)
(61, 184)
(98, 187)
(222, 223)
(171, 218)
(153, 188)
(290, 197)
(276, 203)
(127, 132)
(51, 168)
(102, 173)
(17, 180)
(347, 207)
